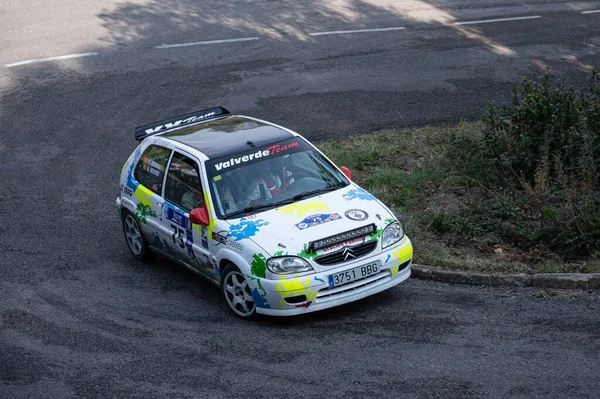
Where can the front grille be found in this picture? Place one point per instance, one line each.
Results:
(341, 255)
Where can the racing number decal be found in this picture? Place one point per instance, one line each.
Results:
(178, 236)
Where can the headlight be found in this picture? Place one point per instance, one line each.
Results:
(288, 264)
(392, 234)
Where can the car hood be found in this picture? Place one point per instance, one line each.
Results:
(289, 229)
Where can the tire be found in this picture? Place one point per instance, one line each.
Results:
(236, 291)
(136, 242)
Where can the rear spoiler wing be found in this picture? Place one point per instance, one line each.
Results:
(179, 121)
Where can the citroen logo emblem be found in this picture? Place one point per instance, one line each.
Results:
(348, 253)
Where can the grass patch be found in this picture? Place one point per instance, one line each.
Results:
(508, 194)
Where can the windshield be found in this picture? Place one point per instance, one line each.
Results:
(265, 177)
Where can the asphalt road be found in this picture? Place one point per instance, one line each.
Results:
(80, 318)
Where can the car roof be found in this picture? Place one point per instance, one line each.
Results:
(228, 135)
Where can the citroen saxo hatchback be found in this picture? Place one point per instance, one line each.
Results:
(260, 212)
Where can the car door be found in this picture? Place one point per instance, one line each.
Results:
(183, 192)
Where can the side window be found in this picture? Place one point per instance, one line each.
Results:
(183, 186)
(150, 169)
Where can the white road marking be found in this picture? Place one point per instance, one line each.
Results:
(60, 57)
(341, 32)
(489, 21)
(245, 39)
(241, 39)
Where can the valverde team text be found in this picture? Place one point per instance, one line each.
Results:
(259, 154)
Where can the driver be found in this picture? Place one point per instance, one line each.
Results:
(272, 180)
(282, 176)
(251, 187)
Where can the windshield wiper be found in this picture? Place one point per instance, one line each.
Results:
(249, 209)
(305, 194)
(293, 199)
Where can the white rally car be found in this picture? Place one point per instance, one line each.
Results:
(260, 212)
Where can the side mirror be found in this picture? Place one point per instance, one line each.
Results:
(199, 216)
(346, 171)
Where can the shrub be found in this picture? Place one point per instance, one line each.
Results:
(547, 150)
(548, 123)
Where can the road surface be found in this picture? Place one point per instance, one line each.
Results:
(80, 318)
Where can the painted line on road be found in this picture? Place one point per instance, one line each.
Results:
(240, 39)
(590, 12)
(342, 32)
(489, 21)
(60, 57)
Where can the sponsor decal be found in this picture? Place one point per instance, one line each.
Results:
(189, 242)
(352, 242)
(182, 236)
(127, 190)
(317, 219)
(222, 239)
(167, 126)
(274, 149)
(356, 214)
(153, 167)
(175, 217)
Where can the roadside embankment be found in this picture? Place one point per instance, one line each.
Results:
(515, 194)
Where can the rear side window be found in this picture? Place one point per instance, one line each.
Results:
(150, 169)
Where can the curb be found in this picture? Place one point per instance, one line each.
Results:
(541, 280)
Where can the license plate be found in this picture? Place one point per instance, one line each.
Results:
(354, 274)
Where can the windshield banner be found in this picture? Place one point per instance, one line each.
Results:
(230, 162)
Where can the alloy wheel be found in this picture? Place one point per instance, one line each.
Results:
(133, 235)
(238, 294)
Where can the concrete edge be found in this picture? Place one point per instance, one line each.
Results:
(541, 280)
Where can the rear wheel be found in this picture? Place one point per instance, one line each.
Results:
(138, 246)
(234, 286)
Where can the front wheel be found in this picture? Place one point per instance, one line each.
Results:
(135, 239)
(237, 292)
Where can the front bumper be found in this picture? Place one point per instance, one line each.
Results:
(283, 297)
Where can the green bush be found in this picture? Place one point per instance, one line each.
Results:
(548, 123)
(547, 151)
(517, 192)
